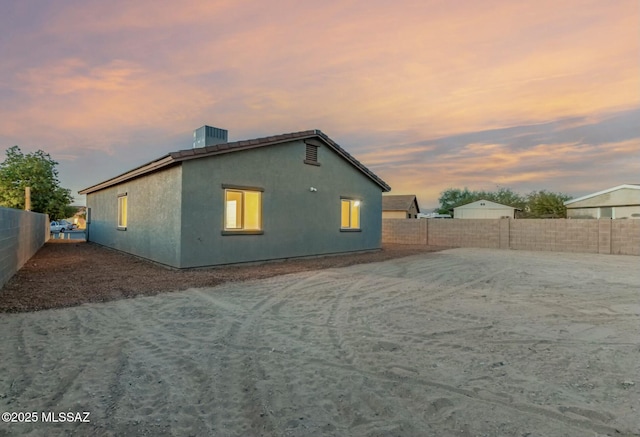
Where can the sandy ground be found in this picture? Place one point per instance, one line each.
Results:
(65, 273)
(463, 342)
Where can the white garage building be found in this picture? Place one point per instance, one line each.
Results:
(484, 209)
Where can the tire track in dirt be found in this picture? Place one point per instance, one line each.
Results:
(20, 378)
(584, 423)
(478, 395)
(157, 363)
(337, 321)
(249, 387)
(345, 352)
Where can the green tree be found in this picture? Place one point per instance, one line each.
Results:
(454, 197)
(543, 204)
(38, 171)
(506, 196)
(537, 204)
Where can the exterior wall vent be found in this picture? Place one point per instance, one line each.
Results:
(311, 155)
(209, 136)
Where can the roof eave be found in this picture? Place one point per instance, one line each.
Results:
(163, 162)
(346, 155)
(189, 154)
(589, 196)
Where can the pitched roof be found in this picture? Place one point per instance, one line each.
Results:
(609, 190)
(400, 202)
(486, 204)
(175, 158)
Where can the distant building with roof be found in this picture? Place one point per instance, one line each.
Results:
(400, 206)
(484, 209)
(283, 196)
(619, 202)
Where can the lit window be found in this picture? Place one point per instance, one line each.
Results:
(122, 211)
(350, 217)
(242, 210)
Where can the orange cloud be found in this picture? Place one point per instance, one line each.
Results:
(95, 74)
(70, 76)
(425, 66)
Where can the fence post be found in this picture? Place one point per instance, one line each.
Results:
(423, 231)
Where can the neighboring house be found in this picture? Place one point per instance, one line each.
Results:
(484, 209)
(78, 218)
(400, 206)
(619, 202)
(284, 196)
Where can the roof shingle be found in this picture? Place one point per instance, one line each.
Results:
(400, 202)
(174, 158)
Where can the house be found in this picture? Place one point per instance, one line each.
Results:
(400, 206)
(291, 195)
(618, 202)
(484, 209)
(78, 218)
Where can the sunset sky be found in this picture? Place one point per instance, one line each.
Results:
(429, 94)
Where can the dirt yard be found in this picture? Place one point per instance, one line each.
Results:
(461, 342)
(69, 272)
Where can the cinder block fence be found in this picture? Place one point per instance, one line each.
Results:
(559, 235)
(22, 233)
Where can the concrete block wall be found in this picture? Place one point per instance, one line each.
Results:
(22, 233)
(625, 237)
(585, 236)
(404, 231)
(555, 235)
(464, 233)
(577, 235)
(505, 233)
(532, 236)
(604, 236)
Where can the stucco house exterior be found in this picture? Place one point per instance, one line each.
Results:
(484, 209)
(400, 206)
(284, 196)
(619, 202)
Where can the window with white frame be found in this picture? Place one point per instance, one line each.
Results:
(242, 209)
(122, 211)
(350, 214)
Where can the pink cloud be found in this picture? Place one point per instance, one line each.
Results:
(95, 74)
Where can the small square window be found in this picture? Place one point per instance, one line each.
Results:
(242, 210)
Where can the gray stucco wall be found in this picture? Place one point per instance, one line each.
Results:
(153, 223)
(296, 221)
(22, 233)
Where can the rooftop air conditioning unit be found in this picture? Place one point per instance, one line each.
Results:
(209, 136)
